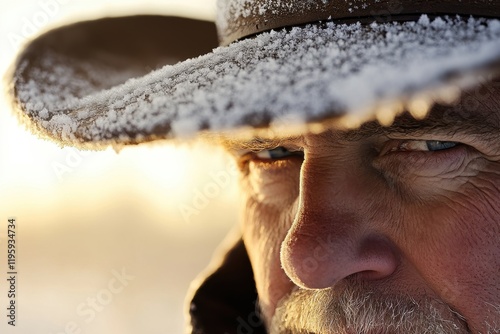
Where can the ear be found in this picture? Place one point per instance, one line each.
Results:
(99, 54)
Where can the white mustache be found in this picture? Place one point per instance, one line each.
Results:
(355, 310)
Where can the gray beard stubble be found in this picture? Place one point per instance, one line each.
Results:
(356, 310)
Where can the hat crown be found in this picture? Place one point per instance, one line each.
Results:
(241, 18)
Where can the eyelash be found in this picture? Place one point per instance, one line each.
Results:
(389, 147)
(279, 150)
(395, 145)
(398, 160)
(270, 165)
(402, 160)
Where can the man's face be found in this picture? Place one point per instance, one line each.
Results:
(380, 229)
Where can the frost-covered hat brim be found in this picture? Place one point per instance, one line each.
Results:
(287, 80)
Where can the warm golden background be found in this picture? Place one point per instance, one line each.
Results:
(83, 216)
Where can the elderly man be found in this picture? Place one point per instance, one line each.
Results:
(367, 135)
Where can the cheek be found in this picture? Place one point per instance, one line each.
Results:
(455, 245)
(264, 230)
(425, 176)
(270, 205)
(275, 184)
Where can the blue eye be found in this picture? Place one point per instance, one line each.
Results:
(276, 153)
(435, 145)
(422, 145)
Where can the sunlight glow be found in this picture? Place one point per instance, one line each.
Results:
(38, 169)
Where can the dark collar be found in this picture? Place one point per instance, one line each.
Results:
(225, 303)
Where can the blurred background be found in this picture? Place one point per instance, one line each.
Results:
(106, 242)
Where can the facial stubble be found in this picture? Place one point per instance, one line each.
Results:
(355, 309)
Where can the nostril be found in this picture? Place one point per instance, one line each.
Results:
(378, 255)
(368, 258)
(371, 275)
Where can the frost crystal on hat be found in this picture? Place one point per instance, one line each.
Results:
(243, 8)
(302, 74)
(237, 19)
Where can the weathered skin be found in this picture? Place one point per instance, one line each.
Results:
(375, 210)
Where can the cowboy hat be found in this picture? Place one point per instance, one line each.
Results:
(281, 65)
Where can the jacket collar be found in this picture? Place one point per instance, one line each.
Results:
(226, 300)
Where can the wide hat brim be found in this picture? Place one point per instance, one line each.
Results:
(86, 86)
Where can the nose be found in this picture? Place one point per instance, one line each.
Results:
(334, 235)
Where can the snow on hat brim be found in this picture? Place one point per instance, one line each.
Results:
(291, 80)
